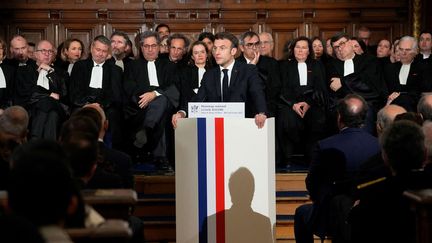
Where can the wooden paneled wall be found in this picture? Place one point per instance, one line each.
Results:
(58, 20)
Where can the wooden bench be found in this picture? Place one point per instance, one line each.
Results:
(421, 204)
(111, 231)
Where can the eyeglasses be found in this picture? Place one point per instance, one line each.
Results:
(252, 45)
(341, 44)
(150, 46)
(43, 51)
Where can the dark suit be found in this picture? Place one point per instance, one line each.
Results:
(6, 93)
(410, 92)
(244, 86)
(188, 83)
(292, 128)
(268, 71)
(46, 112)
(153, 117)
(334, 163)
(110, 96)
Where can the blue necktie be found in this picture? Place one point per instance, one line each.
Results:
(225, 85)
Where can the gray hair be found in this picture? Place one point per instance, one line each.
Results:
(148, 34)
(414, 42)
(14, 121)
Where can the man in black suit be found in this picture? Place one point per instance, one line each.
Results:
(335, 160)
(242, 83)
(41, 89)
(151, 97)
(406, 79)
(268, 69)
(95, 80)
(349, 73)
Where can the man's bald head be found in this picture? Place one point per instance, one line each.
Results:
(352, 111)
(387, 115)
(424, 107)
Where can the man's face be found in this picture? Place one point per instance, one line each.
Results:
(383, 49)
(343, 49)
(19, 49)
(267, 44)
(425, 42)
(118, 45)
(150, 48)
(99, 52)
(364, 36)
(177, 50)
(44, 53)
(163, 31)
(250, 47)
(223, 52)
(406, 51)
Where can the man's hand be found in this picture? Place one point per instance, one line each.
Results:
(301, 108)
(255, 60)
(175, 118)
(392, 97)
(260, 120)
(45, 67)
(146, 98)
(335, 84)
(55, 96)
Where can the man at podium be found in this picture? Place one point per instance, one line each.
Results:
(230, 81)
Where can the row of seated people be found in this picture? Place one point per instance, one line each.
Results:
(139, 96)
(43, 178)
(356, 181)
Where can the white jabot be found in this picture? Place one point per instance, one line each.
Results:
(425, 55)
(2, 79)
(96, 77)
(403, 73)
(348, 67)
(42, 79)
(70, 68)
(302, 70)
(120, 64)
(152, 74)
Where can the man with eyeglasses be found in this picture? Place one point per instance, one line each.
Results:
(405, 79)
(151, 97)
(349, 73)
(18, 52)
(41, 89)
(267, 44)
(96, 80)
(268, 69)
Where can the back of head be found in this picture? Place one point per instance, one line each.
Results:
(424, 107)
(387, 114)
(41, 185)
(14, 121)
(403, 147)
(352, 111)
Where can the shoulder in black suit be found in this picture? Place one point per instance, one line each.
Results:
(6, 93)
(245, 86)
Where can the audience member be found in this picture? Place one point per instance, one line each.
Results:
(424, 107)
(71, 52)
(119, 40)
(425, 44)
(301, 116)
(364, 34)
(151, 98)
(7, 78)
(163, 30)
(18, 52)
(384, 48)
(208, 38)
(31, 50)
(41, 89)
(358, 45)
(336, 159)
(267, 44)
(178, 45)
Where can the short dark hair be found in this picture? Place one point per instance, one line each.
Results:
(178, 36)
(208, 35)
(122, 34)
(403, 144)
(227, 36)
(350, 116)
(361, 43)
(293, 44)
(148, 34)
(162, 25)
(339, 36)
(91, 113)
(102, 39)
(40, 173)
(249, 34)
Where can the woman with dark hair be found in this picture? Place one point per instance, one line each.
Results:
(69, 52)
(359, 46)
(208, 38)
(191, 75)
(320, 52)
(303, 96)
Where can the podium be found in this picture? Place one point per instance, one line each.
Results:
(225, 181)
